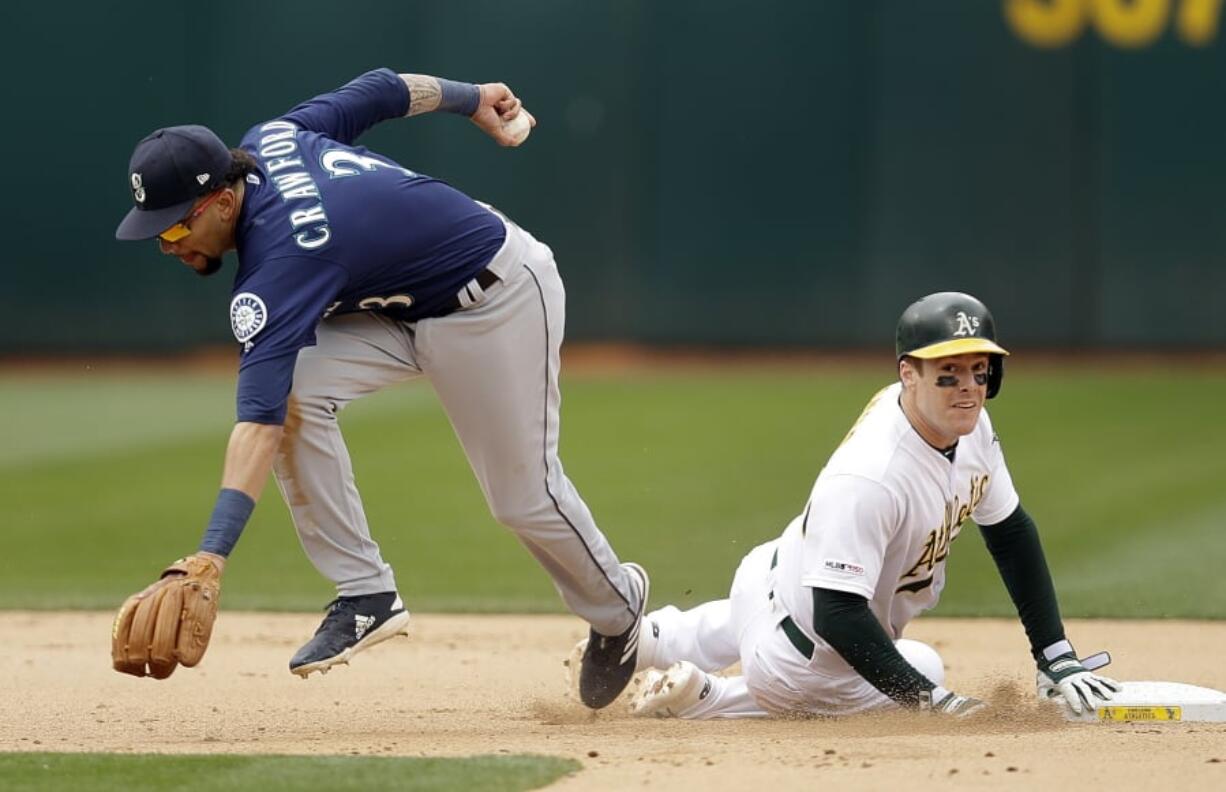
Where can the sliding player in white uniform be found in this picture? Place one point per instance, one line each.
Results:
(816, 617)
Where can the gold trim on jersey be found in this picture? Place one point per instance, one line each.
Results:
(867, 409)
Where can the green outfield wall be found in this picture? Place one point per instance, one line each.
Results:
(706, 171)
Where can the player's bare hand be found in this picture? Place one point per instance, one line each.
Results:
(498, 115)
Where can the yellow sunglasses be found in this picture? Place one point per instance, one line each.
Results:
(181, 229)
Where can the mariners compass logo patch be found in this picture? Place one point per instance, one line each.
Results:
(247, 317)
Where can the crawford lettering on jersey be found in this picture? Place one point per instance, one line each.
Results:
(936, 547)
(279, 149)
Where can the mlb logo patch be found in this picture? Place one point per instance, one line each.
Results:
(843, 567)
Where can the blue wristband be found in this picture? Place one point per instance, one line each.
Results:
(459, 97)
(230, 516)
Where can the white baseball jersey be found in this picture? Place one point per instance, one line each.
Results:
(882, 516)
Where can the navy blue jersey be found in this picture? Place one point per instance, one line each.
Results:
(328, 227)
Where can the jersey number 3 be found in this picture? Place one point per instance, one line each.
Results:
(340, 164)
(383, 303)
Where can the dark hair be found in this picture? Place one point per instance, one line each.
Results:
(241, 164)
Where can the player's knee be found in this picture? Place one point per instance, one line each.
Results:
(317, 393)
(923, 658)
(515, 515)
(309, 405)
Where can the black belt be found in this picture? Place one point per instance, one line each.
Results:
(798, 638)
(484, 278)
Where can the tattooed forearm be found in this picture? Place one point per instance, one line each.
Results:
(424, 93)
(427, 94)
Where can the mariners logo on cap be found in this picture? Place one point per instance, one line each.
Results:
(247, 316)
(138, 188)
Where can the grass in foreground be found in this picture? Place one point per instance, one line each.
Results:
(55, 772)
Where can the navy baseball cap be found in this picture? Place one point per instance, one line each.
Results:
(168, 171)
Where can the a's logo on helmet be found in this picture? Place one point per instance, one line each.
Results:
(247, 316)
(967, 325)
(138, 188)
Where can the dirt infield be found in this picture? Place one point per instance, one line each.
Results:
(494, 684)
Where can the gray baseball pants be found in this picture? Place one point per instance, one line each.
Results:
(494, 365)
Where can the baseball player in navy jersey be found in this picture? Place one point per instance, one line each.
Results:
(355, 273)
(816, 617)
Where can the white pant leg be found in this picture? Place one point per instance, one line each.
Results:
(495, 368)
(728, 626)
(750, 594)
(354, 354)
(775, 677)
(923, 658)
(709, 635)
(703, 635)
(729, 698)
(783, 681)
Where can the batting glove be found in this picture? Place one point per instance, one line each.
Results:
(946, 702)
(1062, 675)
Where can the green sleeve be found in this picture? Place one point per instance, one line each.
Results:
(845, 622)
(1015, 547)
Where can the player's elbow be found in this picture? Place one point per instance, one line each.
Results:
(832, 610)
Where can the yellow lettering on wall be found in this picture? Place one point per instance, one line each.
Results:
(1197, 21)
(1046, 23)
(1131, 23)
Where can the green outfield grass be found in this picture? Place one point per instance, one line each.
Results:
(106, 478)
(50, 772)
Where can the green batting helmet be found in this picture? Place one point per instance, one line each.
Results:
(951, 323)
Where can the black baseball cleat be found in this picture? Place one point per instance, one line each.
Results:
(352, 624)
(608, 661)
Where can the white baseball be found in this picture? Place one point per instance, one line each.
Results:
(518, 127)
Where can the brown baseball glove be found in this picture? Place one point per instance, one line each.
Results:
(170, 622)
